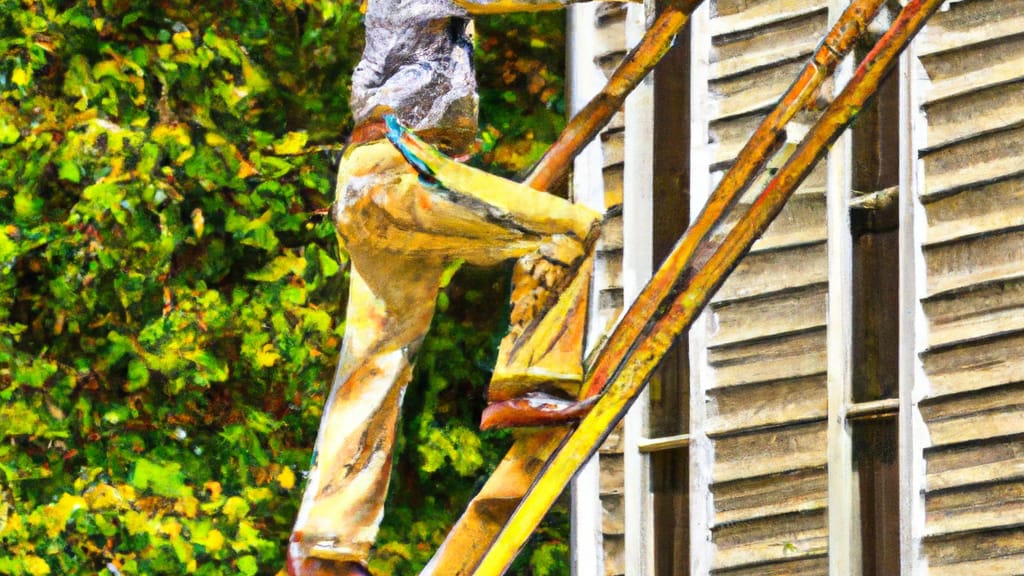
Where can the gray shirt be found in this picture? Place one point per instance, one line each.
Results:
(418, 63)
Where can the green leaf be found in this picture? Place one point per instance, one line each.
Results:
(254, 79)
(215, 369)
(329, 266)
(138, 375)
(8, 248)
(449, 272)
(161, 479)
(9, 133)
(274, 167)
(183, 41)
(36, 374)
(247, 565)
(18, 419)
(225, 48)
(68, 170)
(27, 205)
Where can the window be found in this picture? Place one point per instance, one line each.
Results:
(874, 396)
(667, 439)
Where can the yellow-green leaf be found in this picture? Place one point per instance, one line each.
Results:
(164, 480)
(216, 368)
(183, 41)
(328, 265)
(247, 565)
(36, 566)
(292, 143)
(214, 541)
(9, 133)
(20, 77)
(286, 478)
(254, 79)
(235, 508)
(280, 267)
(57, 515)
(198, 222)
(267, 356)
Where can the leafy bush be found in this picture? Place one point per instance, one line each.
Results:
(171, 291)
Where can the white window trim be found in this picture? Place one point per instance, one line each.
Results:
(701, 375)
(585, 80)
(637, 267)
(913, 432)
(843, 515)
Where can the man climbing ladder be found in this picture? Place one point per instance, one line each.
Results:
(404, 213)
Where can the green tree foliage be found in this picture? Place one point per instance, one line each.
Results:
(171, 292)
(522, 90)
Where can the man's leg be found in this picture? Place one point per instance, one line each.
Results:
(543, 350)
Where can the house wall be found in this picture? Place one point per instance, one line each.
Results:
(773, 488)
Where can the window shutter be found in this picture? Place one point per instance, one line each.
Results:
(759, 356)
(968, 87)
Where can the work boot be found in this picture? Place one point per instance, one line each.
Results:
(324, 567)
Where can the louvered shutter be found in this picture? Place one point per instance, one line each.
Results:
(967, 84)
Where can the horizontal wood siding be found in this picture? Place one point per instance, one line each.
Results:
(970, 60)
(766, 398)
(609, 50)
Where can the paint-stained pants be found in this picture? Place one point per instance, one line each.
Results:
(400, 234)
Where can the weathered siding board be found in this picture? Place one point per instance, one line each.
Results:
(965, 69)
(992, 553)
(988, 157)
(755, 91)
(975, 508)
(772, 539)
(977, 211)
(987, 413)
(986, 110)
(770, 451)
(972, 196)
(615, 555)
(765, 358)
(767, 46)
(773, 358)
(796, 310)
(808, 566)
(974, 260)
(765, 496)
(765, 404)
(976, 22)
(965, 464)
(976, 365)
(731, 16)
(758, 274)
(613, 144)
(798, 225)
(613, 514)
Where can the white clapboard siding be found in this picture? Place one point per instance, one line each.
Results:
(602, 168)
(969, 82)
(762, 362)
(609, 50)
